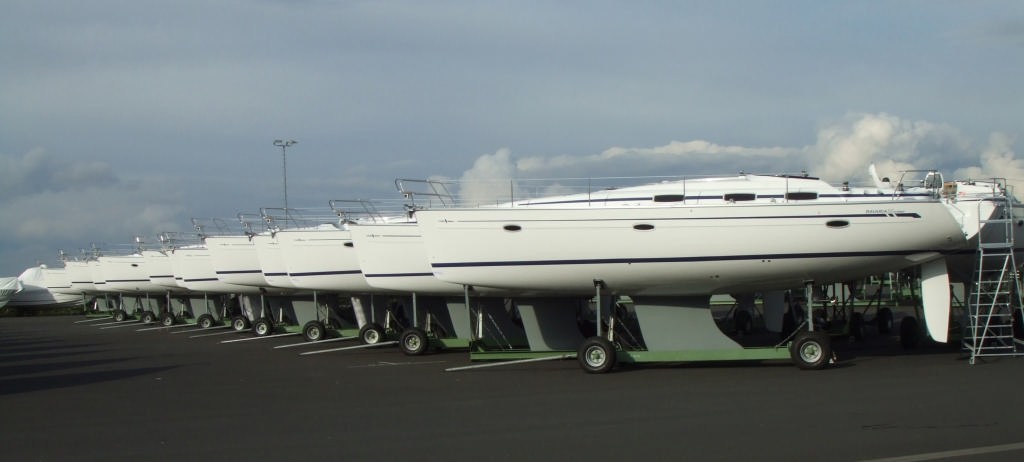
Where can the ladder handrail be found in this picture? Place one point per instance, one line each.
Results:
(996, 292)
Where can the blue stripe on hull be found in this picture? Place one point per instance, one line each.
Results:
(711, 258)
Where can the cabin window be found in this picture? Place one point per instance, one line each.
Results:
(349, 244)
(669, 198)
(643, 227)
(513, 228)
(801, 196)
(737, 197)
(837, 223)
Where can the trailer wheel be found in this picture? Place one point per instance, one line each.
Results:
(313, 331)
(148, 317)
(205, 321)
(263, 327)
(884, 320)
(371, 334)
(239, 323)
(413, 341)
(910, 335)
(596, 355)
(120, 315)
(167, 320)
(811, 350)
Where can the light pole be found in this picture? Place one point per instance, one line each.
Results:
(284, 166)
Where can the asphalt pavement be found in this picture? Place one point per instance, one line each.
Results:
(79, 392)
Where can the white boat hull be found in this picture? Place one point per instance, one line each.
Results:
(79, 276)
(235, 260)
(56, 280)
(194, 271)
(127, 274)
(683, 250)
(393, 257)
(161, 272)
(272, 263)
(322, 259)
(96, 274)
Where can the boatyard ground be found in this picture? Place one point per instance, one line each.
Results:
(79, 392)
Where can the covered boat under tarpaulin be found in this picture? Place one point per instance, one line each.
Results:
(35, 291)
(8, 287)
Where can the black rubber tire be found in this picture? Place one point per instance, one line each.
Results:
(811, 350)
(313, 331)
(371, 334)
(596, 355)
(857, 326)
(205, 321)
(910, 334)
(413, 341)
(263, 327)
(148, 317)
(883, 320)
(120, 315)
(167, 320)
(239, 323)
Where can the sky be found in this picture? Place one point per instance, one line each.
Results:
(128, 118)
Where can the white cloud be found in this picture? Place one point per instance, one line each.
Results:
(845, 148)
(100, 214)
(997, 160)
(478, 184)
(842, 151)
(39, 171)
(46, 199)
(646, 161)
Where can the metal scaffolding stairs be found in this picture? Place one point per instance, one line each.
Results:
(995, 306)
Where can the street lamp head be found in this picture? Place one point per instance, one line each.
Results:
(283, 143)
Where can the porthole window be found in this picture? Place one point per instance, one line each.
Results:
(837, 224)
(513, 228)
(643, 227)
(801, 196)
(737, 197)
